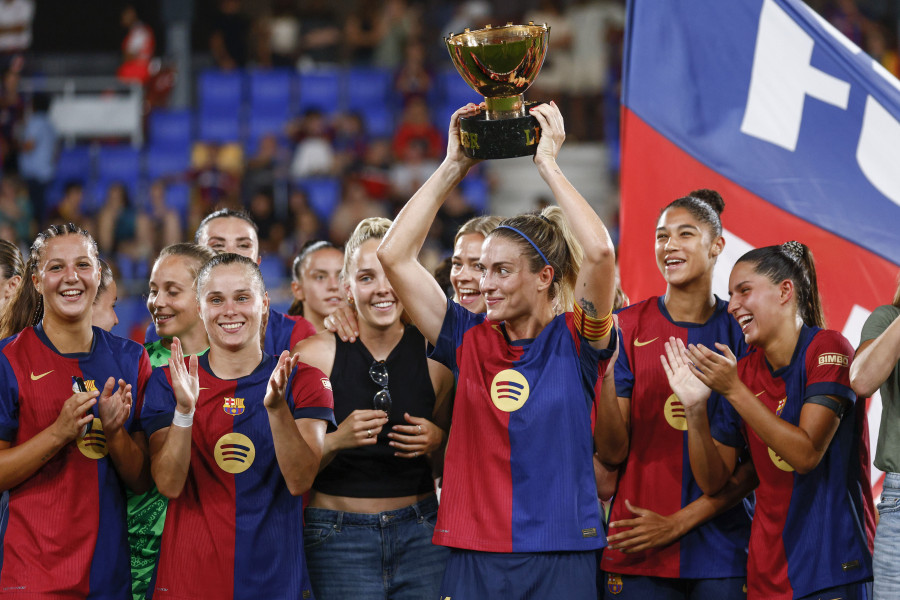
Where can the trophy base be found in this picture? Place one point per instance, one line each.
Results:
(502, 138)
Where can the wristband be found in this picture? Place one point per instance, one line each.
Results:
(183, 420)
(592, 328)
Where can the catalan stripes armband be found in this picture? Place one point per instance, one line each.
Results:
(592, 328)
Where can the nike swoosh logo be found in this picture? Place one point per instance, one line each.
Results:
(36, 377)
(204, 389)
(761, 393)
(637, 343)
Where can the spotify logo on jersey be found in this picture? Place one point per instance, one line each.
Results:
(235, 453)
(509, 390)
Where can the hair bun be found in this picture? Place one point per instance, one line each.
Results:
(795, 250)
(711, 197)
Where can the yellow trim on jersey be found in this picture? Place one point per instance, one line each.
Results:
(592, 328)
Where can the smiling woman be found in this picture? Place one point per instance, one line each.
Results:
(53, 441)
(391, 402)
(234, 476)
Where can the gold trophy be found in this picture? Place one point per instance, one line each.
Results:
(500, 63)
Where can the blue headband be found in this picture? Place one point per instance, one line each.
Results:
(527, 239)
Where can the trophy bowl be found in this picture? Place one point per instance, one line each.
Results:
(500, 63)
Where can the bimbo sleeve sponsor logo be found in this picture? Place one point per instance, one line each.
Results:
(834, 358)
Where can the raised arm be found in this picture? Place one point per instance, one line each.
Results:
(595, 288)
(170, 447)
(420, 294)
(298, 443)
(875, 359)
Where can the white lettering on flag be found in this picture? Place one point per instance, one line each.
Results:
(782, 78)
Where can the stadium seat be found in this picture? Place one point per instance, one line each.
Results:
(273, 270)
(170, 128)
(74, 164)
(475, 190)
(368, 88)
(323, 194)
(321, 90)
(456, 92)
(379, 121)
(271, 89)
(96, 191)
(166, 161)
(222, 90)
(265, 121)
(119, 163)
(178, 198)
(219, 126)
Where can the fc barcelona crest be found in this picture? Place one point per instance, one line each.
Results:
(614, 583)
(233, 406)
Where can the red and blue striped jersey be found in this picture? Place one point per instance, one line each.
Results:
(66, 523)
(657, 474)
(808, 531)
(283, 332)
(235, 531)
(518, 473)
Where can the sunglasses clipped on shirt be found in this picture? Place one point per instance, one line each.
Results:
(382, 398)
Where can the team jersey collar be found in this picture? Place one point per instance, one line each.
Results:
(806, 334)
(266, 359)
(42, 335)
(525, 341)
(721, 305)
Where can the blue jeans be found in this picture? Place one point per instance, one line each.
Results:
(886, 561)
(381, 556)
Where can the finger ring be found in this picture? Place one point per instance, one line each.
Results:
(416, 453)
(368, 433)
(420, 428)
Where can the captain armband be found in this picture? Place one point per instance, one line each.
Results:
(592, 328)
(839, 408)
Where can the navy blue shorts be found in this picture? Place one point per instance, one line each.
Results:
(520, 575)
(639, 587)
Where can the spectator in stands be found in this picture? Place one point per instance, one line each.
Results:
(411, 170)
(304, 223)
(415, 125)
(159, 225)
(12, 113)
(37, 158)
(70, 209)
(413, 77)
(355, 206)
(590, 20)
(137, 48)
(376, 31)
(272, 231)
(12, 270)
(375, 172)
(15, 32)
(557, 67)
(453, 214)
(15, 209)
(116, 222)
(215, 176)
(314, 154)
(350, 142)
(230, 37)
(320, 32)
(282, 34)
(265, 168)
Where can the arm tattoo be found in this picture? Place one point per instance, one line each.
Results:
(588, 307)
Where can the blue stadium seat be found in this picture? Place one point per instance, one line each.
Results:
(219, 126)
(273, 270)
(170, 128)
(379, 121)
(178, 198)
(271, 89)
(368, 88)
(456, 92)
(221, 89)
(130, 310)
(166, 161)
(320, 89)
(119, 163)
(74, 164)
(265, 121)
(323, 193)
(475, 190)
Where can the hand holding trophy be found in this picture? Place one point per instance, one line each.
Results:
(500, 63)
